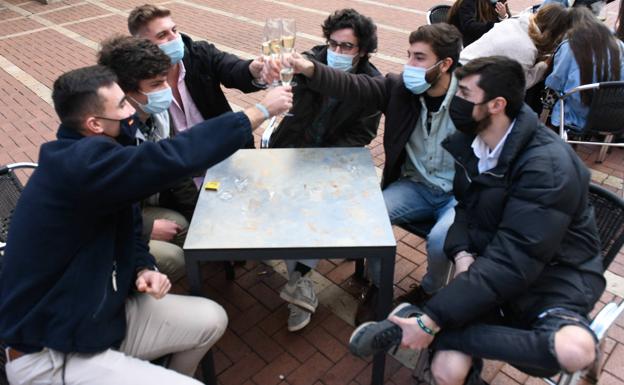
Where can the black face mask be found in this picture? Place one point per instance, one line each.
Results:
(460, 111)
(127, 129)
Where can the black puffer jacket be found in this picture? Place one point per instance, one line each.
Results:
(530, 224)
(346, 124)
(207, 68)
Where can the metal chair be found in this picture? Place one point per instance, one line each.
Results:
(438, 13)
(609, 213)
(10, 190)
(605, 117)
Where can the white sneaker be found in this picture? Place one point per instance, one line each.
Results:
(300, 291)
(298, 318)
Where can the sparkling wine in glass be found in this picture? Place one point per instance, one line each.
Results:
(289, 33)
(286, 75)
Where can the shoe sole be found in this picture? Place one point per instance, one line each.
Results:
(357, 331)
(399, 308)
(299, 326)
(304, 305)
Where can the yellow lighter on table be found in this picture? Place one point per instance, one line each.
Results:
(214, 186)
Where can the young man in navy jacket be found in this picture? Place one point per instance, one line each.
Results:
(80, 300)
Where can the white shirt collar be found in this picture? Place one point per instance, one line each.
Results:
(488, 159)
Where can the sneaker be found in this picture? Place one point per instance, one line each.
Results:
(417, 295)
(298, 318)
(374, 337)
(300, 291)
(366, 307)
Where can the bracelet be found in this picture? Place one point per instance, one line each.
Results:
(264, 110)
(424, 327)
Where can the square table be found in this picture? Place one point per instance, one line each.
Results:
(302, 203)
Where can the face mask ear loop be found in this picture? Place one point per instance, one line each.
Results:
(434, 81)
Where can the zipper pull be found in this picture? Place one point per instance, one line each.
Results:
(114, 276)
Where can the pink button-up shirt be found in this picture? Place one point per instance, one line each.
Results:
(187, 115)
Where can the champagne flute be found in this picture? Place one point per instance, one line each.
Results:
(286, 75)
(289, 33)
(273, 38)
(274, 35)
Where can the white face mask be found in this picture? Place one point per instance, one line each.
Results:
(339, 61)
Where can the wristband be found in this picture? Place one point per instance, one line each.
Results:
(424, 327)
(264, 110)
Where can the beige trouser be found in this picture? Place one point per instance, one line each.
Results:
(183, 326)
(169, 255)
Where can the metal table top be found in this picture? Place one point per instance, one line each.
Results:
(281, 199)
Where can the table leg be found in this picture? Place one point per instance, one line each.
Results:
(193, 273)
(384, 304)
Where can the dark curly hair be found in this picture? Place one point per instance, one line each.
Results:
(363, 28)
(133, 59)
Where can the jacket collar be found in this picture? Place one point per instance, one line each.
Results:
(66, 132)
(459, 144)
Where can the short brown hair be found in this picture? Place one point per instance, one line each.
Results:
(143, 14)
(445, 40)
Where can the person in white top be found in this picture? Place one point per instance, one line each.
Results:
(527, 38)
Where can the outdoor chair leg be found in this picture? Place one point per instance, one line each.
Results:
(569, 379)
(603, 149)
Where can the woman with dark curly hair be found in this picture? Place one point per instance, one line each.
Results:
(320, 121)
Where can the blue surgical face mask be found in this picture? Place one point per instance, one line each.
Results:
(414, 78)
(339, 61)
(174, 49)
(157, 101)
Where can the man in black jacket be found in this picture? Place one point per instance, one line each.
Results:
(324, 121)
(418, 173)
(199, 69)
(80, 300)
(524, 240)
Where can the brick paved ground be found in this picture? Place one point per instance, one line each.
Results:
(39, 42)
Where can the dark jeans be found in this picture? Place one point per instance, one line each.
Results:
(529, 348)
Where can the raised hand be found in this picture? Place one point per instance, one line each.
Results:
(278, 100)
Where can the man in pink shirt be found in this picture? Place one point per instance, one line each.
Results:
(198, 71)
